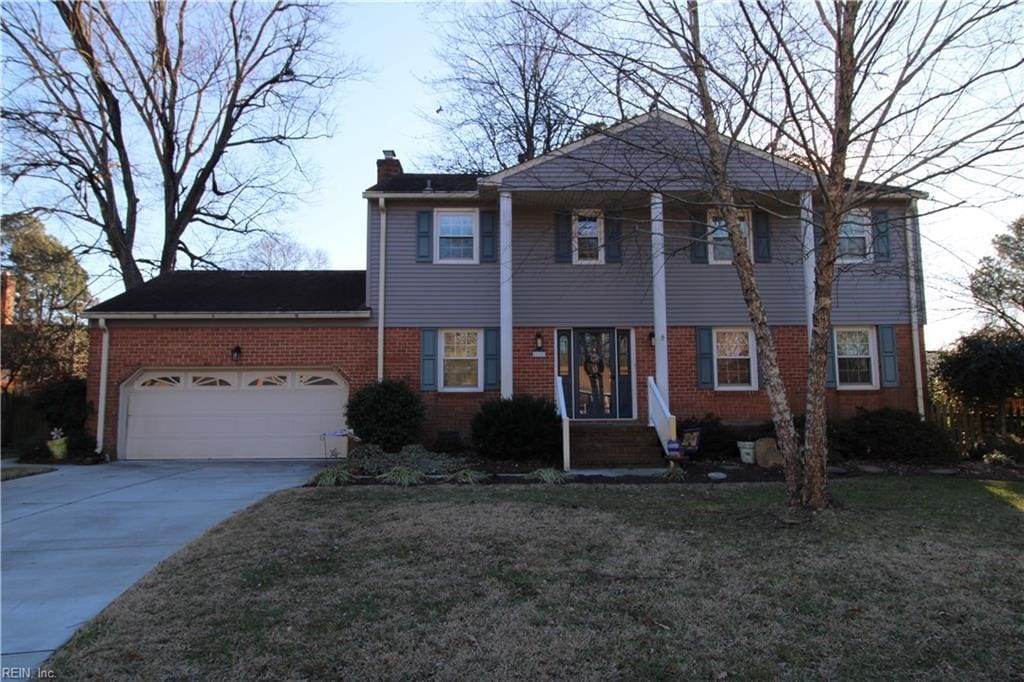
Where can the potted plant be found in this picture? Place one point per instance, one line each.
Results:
(58, 444)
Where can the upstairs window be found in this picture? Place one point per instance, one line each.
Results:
(735, 360)
(587, 237)
(457, 236)
(854, 237)
(720, 248)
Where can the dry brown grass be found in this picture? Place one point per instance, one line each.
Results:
(11, 473)
(912, 578)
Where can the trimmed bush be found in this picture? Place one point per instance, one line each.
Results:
(386, 413)
(57, 405)
(519, 428)
(892, 435)
(717, 440)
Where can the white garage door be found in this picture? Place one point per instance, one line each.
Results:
(223, 414)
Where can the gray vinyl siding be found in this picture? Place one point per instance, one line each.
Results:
(428, 294)
(875, 293)
(546, 293)
(710, 294)
(654, 156)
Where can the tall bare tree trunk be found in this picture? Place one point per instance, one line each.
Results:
(782, 416)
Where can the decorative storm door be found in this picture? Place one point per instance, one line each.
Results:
(598, 380)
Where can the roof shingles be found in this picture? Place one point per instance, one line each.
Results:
(238, 291)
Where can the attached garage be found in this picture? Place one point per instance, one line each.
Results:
(274, 413)
(230, 364)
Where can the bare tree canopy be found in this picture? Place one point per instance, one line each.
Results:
(183, 115)
(280, 252)
(872, 98)
(510, 91)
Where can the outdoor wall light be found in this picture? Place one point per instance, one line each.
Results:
(236, 354)
(538, 341)
(651, 337)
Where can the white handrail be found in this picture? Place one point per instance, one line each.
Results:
(564, 414)
(659, 416)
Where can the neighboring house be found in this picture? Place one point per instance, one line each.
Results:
(549, 275)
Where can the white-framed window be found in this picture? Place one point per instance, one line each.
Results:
(735, 359)
(461, 367)
(719, 246)
(456, 235)
(588, 237)
(265, 380)
(856, 357)
(211, 380)
(854, 237)
(160, 381)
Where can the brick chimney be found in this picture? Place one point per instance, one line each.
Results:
(389, 166)
(6, 298)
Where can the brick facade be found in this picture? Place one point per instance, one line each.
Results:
(351, 351)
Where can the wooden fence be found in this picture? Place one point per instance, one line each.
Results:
(970, 427)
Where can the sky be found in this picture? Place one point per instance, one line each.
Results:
(390, 107)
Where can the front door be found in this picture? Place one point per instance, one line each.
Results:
(599, 378)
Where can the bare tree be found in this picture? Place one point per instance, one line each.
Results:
(865, 96)
(510, 90)
(186, 115)
(280, 252)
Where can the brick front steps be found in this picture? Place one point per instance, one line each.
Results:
(614, 444)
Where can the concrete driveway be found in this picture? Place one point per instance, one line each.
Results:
(75, 539)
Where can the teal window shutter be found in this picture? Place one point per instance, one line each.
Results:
(488, 237)
(762, 238)
(613, 237)
(428, 359)
(887, 350)
(705, 358)
(698, 242)
(880, 236)
(830, 362)
(492, 360)
(563, 238)
(424, 237)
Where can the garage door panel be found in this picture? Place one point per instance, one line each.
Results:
(192, 421)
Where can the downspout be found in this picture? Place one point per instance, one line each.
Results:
(380, 287)
(101, 409)
(912, 245)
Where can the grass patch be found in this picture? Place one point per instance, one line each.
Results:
(401, 476)
(912, 578)
(333, 475)
(11, 473)
(373, 461)
(549, 476)
(468, 477)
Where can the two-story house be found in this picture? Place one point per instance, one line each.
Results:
(597, 275)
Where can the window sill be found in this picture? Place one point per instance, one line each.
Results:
(856, 387)
(471, 389)
(455, 262)
(736, 389)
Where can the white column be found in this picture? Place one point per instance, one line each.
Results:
(807, 245)
(658, 288)
(505, 272)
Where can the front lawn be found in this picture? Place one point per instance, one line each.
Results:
(913, 577)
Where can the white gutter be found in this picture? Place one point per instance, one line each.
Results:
(911, 247)
(421, 195)
(380, 287)
(101, 409)
(275, 315)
